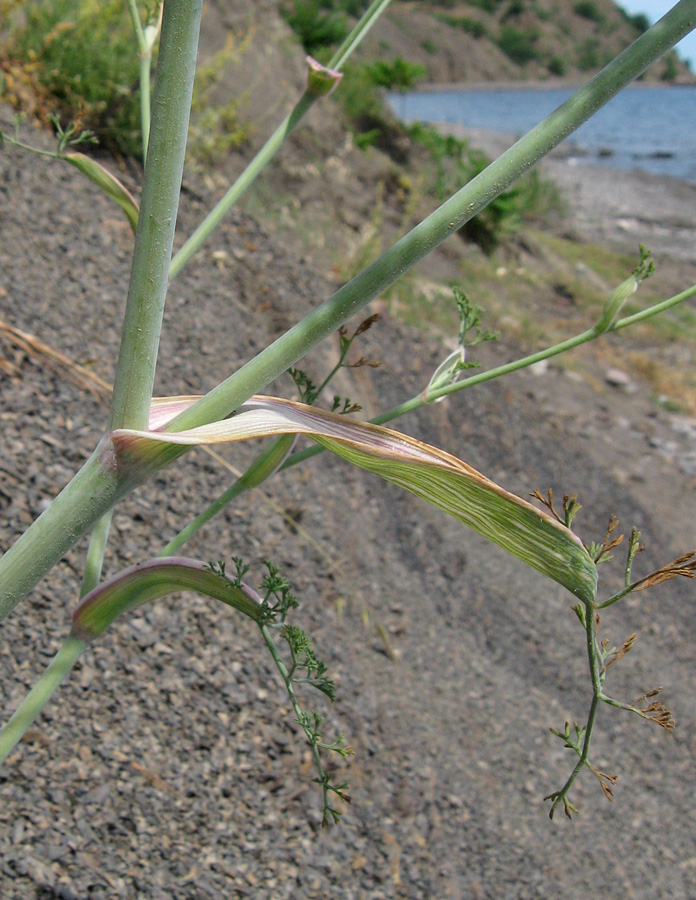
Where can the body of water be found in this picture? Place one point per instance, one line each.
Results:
(650, 128)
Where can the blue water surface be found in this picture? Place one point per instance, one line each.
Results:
(645, 127)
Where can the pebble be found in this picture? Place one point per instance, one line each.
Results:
(617, 378)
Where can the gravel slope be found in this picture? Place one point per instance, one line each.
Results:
(168, 767)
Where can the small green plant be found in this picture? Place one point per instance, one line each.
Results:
(145, 434)
(589, 10)
(670, 71)
(397, 75)
(489, 6)
(556, 66)
(364, 110)
(215, 128)
(474, 27)
(602, 654)
(639, 21)
(515, 8)
(78, 58)
(317, 23)
(455, 163)
(518, 45)
(587, 57)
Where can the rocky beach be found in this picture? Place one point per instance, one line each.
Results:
(168, 766)
(611, 205)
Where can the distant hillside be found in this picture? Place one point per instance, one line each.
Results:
(508, 40)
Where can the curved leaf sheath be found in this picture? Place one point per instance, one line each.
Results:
(136, 585)
(447, 482)
(111, 186)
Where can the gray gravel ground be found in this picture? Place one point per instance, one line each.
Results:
(168, 765)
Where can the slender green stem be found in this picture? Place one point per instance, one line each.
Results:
(424, 399)
(287, 680)
(145, 53)
(137, 26)
(272, 145)
(561, 796)
(618, 705)
(95, 554)
(158, 210)
(361, 30)
(653, 310)
(333, 371)
(39, 695)
(22, 146)
(241, 185)
(616, 597)
(145, 66)
(421, 400)
(265, 464)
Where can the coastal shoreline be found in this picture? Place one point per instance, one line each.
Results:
(606, 204)
(549, 84)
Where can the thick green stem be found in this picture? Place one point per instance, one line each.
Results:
(39, 695)
(135, 372)
(91, 493)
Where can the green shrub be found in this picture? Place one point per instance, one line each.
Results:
(515, 8)
(588, 10)
(669, 73)
(556, 66)
(395, 75)
(587, 56)
(471, 26)
(489, 6)
(365, 113)
(518, 45)
(317, 24)
(639, 21)
(79, 57)
(455, 164)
